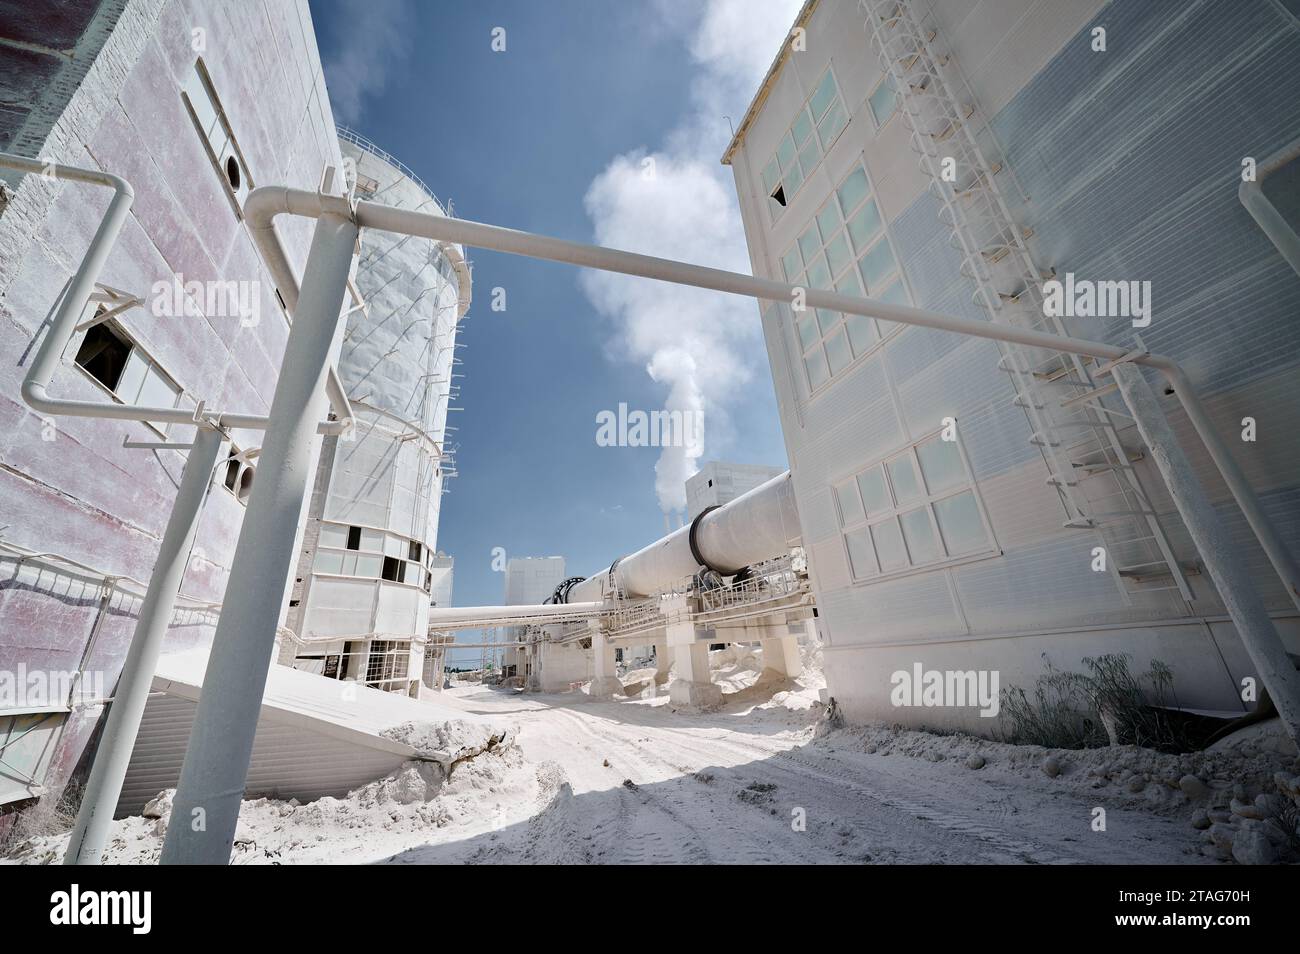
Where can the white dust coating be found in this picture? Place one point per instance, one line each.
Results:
(678, 202)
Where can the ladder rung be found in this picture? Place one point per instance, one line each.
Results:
(1091, 395)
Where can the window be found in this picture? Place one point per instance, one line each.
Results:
(917, 508)
(817, 124)
(213, 126)
(109, 355)
(883, 101)
(845, 248)
(388, 662)
(369, 553)
(26, 744)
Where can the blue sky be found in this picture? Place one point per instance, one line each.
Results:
(552, 135)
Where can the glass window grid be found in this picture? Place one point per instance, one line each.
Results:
(819, 122)
(855, 517)
(818, 332)
(366, 561)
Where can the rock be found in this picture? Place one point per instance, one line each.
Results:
(1270, 806)
(1193, 787)
(1201, 820)
(1051, 766)
(1136, 784)
(1287, 785)
(160, 806)
(1220, 816)
(1253, 848)
(975, 761)
(1221, 835)
(1245, 809)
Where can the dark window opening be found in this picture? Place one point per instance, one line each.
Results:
(354, 538)
(103, 354)
(416, 552)
(232, 172)
(710, 483)
(394, 570)
(779, 195)
(232, 472)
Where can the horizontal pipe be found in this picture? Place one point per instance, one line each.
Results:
(472, 617)
(1264, 212)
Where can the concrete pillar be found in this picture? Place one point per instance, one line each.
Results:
(663, 662)
(690, 649)
(604, 679)
(781, 657)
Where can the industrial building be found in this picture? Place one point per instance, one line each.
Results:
(359, 605)
(954, 493)
(718, 482)
(181, 116)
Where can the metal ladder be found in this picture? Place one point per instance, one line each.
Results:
(1088, 464)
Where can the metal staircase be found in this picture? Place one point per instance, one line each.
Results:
(1088, 463)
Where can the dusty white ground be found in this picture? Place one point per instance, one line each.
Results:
(762, 780)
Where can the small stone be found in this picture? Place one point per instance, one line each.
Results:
(975, 761)
(1270, 806)
(1220, 816)
(1193, 787)
(1051, 766)
(1201, 819)
(1245, 809)
(1253, 848)
(160, 805)
(1137, 784)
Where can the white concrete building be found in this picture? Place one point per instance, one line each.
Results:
(528, 580)
(359, 606)
(718, 482)
(954, 493)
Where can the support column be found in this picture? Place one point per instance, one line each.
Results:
(781, 657)
(663, 662)
(604, 679)
(104, 787)
(215, 770)
(690, 648)
(1219, 552)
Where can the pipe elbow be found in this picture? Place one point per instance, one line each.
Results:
(35, 397)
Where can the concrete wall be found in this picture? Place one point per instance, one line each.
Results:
(1130, 162)
(719, 482)
(68, 486)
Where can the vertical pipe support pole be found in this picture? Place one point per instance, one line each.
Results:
(1222, 558)
(211, 788)
(104, 786)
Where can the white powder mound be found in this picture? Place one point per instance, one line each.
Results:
(447, 743)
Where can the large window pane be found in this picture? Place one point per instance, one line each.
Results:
(883, 101)
(792, 263)
(822, 96)
(132, 379)
(876, 265)
(862, 333)
(828, 220)
(802, 127)
(328, 561)
(793, 180)
(810, 243)
(889, 545)
(862, 556)
(864, 225)
(852, 191)
(850, 506)
(827, 320)
(156, 390)
(902, 476)
(809, 156)
(875, 494)
(808, 333)
(848, 284)
(837, 351)
(960, 524)
(918, 532)
(838, 254)
(834, 121)
(941, 464)
(819, 276)
(785, 152)
(771, 175)
(818, 371)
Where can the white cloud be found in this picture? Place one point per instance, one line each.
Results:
(679, 202)
(377, 41)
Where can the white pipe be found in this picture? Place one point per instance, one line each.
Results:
(104, 787)
(499, 239)
(1264, 212)
(215, 769)
(473, 617)
(758, 525)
